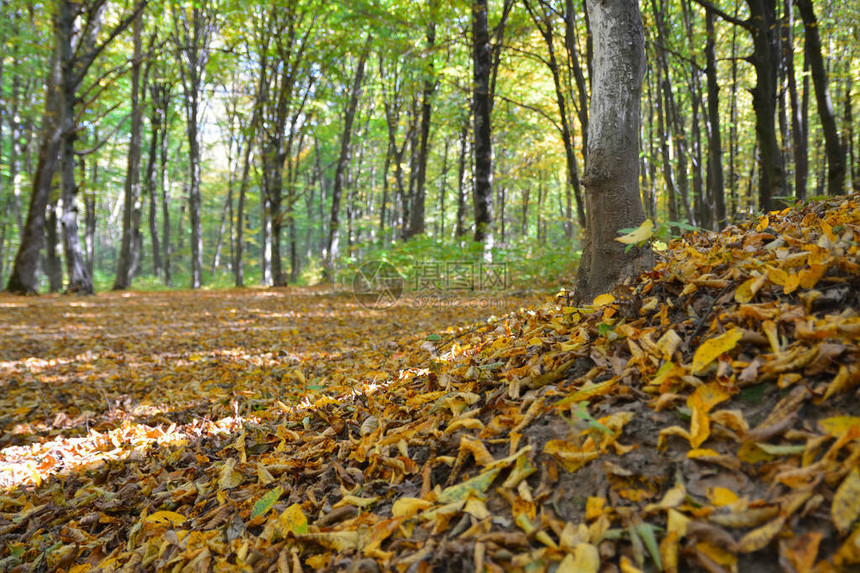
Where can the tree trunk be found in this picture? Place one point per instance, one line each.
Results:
(129, 253)
(544, 25)
(460, 225)
(443, 190)
(90, 217)
(343, 162)
(165, 197)
(24, 279)
(833, 146)
(481, 106)
(53, 264)
(192, 34)
(151, 179)
(80, 281)
(716, 194)
(765, 59)
(611, 179)
(416, 226)
(797, 137)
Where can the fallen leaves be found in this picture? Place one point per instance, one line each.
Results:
(703, 416)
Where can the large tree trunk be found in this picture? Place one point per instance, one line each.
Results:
(833, 146)
(129, 253)
(612, 176)
(765, 59)
(481, 107)
(343, 162)
(24, 279)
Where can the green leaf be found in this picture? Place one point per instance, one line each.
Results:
(265, 503)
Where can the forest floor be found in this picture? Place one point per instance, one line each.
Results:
(704, 417)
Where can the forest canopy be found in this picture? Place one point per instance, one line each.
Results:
(162, 143)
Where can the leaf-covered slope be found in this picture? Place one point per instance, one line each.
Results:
(704, 417)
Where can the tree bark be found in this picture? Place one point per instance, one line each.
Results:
(833, 146)
(611, 179)
(462, 164)
(716, 193)
(192, 34)
(151, 180)
(481, 106)
(416, 226)
(129, 254)
(24, 279)
(343, 162)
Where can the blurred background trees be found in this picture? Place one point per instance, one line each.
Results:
(169, 143)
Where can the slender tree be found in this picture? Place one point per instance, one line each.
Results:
(832, 143)
(193, 28)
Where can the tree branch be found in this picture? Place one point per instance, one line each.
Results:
(745, 24)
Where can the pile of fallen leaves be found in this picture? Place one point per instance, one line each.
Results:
(703, 417)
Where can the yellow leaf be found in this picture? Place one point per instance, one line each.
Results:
(763, 224)
(294, 520)
(585, 559)
(718, 554)
(845, 379)
(627, 566)
(669, 552)
(671, 431)
(356, 501)
(846, 502)
(571, 457)
(849, 553)
(777, 276)
(760, 538)
(720, 496)
(476, 508)
(791, 283)
(673, 498)
(677, 523)
(745, 292)
(642, 233)
(809, 277)
(603, 299)
(409, 506)
(711, 349)
(228, 477)
(170, 518)
(340, 541)
(801, 551)
(594, 507)
(588, 392)
(838, 426)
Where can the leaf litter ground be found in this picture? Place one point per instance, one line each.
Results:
(703, 417)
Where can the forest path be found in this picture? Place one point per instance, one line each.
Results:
(68, 364)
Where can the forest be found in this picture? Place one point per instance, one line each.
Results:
(168, 144)
(540, 286)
